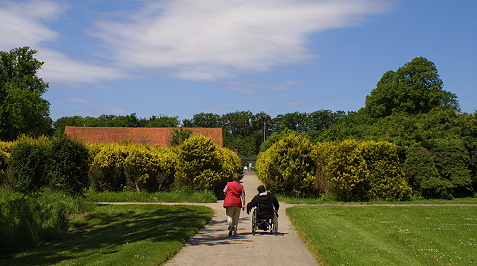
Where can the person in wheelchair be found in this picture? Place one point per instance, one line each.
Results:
(267, 206)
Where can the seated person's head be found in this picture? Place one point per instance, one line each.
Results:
(261, 189)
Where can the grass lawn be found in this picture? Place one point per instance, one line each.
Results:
(163, 196)
(121, 235)
(327, 199)
(379, 235)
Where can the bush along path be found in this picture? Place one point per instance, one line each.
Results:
(213, 246)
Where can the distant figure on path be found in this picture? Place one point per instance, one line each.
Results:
(234, 201)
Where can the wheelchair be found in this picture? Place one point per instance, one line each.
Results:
(265, 222)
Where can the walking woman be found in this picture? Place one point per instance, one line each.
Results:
(234, 201)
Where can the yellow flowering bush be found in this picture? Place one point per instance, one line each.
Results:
(350, 169)
(202, 164)
(362, 170)
(5, 151)
(288, 166)
(130, 166)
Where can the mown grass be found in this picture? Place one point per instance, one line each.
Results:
(164, 196)
(331, 199)
(384, 235)
(120, 235)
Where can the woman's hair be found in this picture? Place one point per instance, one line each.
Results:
(261, 188)
(237, 177)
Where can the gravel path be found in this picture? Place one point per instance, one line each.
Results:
(213, 246)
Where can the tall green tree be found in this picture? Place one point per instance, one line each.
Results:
(296, 121)
(207, 120)
(22, 108)
(163, 121)
(414, 88)
(238, 123)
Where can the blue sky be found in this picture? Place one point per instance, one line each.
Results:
(184, 57)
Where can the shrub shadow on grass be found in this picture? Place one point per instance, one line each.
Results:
(112, 227)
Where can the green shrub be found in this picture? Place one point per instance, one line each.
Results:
(29, 164)
(441, 171)
(288, 166)
(421, 172)
(68, 165)
(453, 163)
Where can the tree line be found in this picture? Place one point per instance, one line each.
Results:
(242, 130)
(408, 107)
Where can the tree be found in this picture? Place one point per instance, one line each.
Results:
(296, 121)
(207, 120)
(179, 136)
(354, 125)
(22, 110)
(163, 121)
(238, 123)
(414, 88)
(262, 122)
(322, 119)
(275, 137)
(62, 122)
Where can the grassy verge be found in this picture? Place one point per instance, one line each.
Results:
(326, 199)
(29, 220)
(172, 196)
(121, 235)
(380, 235)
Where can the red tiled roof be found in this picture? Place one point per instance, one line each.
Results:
(150, 136)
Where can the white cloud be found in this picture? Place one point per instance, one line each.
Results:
(207, 40)
(186, 39)
(21, 23)
(62, 69)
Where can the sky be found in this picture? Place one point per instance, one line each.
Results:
(185, 57)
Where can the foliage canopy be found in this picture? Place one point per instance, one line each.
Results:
(22, 110)
(414, 88)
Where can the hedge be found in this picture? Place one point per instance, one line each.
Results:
(350, 169)
(362, 170)
(124, 166)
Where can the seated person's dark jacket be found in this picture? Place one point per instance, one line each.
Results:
(266, 202)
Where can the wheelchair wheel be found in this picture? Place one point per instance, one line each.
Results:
(254, 221)
(275, 224)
